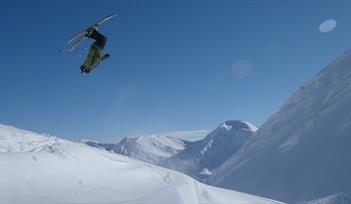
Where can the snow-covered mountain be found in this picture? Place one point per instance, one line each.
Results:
(338, 198)
(43, 169)
(200, 158)
(149, 148)
(303, 151)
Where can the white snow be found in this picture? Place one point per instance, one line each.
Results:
(205, 171)
(304, 148)
(249, 126)
(77, 173)
(206, 148)
(16, 140)
(227, 127)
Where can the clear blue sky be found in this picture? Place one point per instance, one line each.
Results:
(171, 64)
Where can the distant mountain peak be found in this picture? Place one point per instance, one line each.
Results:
(238, 125)
(200, 158)
(149, 148)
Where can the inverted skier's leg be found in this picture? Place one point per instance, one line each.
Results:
(100, 40)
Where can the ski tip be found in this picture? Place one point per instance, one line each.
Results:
(113, 15)
(65, 50)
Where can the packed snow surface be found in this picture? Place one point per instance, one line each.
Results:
(41, 169)
(303, 151)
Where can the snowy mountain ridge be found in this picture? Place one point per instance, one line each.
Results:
(16, 140)
(200, 158)
(149, 148)
(239, 124)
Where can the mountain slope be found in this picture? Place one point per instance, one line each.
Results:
(17, 140)
(302, 151)
(40, 169)
(149, 148)
(199, 158)
(339, 198)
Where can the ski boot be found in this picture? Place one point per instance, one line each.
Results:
(105, 56)
(89, 31)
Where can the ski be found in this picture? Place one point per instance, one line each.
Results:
(75, 40)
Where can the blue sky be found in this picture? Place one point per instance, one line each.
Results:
(171, 64)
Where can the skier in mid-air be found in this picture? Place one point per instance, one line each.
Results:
(96, 51)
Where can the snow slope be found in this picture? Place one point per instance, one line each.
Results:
(339, 198)
(200, 158)
(41, 169)
(303, 151)
(17, 140)
(149, 148)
